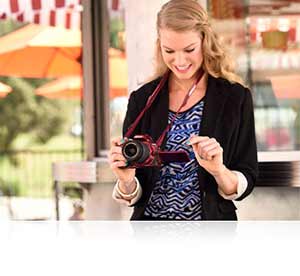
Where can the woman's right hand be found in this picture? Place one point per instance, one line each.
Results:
(118, 162)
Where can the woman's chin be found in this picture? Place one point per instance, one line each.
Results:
(186, 76)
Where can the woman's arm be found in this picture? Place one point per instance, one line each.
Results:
(209, 155)
(128, 199)
(244, 158)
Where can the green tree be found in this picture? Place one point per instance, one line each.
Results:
(9, 25)
(23, 112)
(116, 26)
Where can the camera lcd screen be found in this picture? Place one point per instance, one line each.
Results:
(174, 156)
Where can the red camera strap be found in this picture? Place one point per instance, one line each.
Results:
(148, 104)
(152, 98)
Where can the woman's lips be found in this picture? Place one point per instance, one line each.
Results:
(183, 69)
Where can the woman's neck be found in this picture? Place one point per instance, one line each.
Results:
(184, 84)
(180, 84)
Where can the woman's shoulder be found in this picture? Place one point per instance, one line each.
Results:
(146, 89)
(234, 90)
(234, 86)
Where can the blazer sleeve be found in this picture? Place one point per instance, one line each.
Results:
(134, 108)
(245, 153)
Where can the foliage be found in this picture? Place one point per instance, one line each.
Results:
(73, 190)
(9, 189)
(116, 28)
(6, 26)
(24, 112)
(33, 177)
(50, 120)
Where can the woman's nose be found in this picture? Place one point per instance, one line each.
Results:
(179, 58)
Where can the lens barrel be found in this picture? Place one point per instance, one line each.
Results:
(135, 151)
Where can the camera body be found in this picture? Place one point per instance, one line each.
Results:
(141, 152)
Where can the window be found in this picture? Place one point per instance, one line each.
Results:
(264, 38)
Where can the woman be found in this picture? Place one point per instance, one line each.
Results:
(215, 126)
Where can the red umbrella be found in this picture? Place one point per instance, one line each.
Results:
(36, 51)
(71, 87)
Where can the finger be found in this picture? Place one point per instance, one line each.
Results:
(117, 157)
(199, 158)
(118, 164)
(207, 142)
(115, 141)
(202, 148)
(118, 141)
(197, 139)
(115, 149)
(197, 151)
(207, 149)
(201, 152)
(208, 156)
(214, 152)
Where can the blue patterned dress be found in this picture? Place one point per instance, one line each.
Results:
(176, 195)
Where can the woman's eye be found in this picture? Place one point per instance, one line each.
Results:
(169, 51)
(190, 50)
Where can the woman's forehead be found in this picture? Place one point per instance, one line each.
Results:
(173, 39)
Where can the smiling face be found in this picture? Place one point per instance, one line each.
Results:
(181, 52)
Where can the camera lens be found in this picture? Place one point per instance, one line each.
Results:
(135, 151)
(131, 150)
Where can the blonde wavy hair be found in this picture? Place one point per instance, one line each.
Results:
(188, 15)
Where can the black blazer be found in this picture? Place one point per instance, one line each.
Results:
(227, 116)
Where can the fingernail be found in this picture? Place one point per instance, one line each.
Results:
(122, 140)
(188, 142)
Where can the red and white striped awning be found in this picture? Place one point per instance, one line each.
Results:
(64, 13)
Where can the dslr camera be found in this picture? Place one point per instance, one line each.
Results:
(141, 152)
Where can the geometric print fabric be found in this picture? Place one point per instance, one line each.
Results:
(176, 194)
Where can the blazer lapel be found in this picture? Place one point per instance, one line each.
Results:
(215, 99)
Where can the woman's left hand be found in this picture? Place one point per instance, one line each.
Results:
(209, 154)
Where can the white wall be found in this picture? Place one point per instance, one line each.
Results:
(140, 22)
